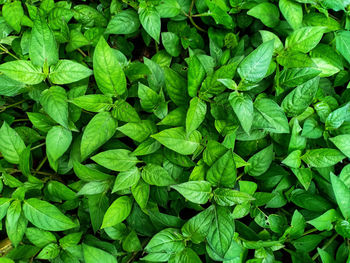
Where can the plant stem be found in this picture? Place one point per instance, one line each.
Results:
(3, 48)
(38, 146)
(325, 246)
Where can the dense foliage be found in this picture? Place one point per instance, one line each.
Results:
(175, 131)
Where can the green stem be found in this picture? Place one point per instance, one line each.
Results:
(3, 48)
(38, 146)
(310, 231)
(325, 246)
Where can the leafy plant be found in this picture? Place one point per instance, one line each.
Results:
(179, 131)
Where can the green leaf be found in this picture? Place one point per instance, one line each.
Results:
(125, 22)
(54, 102)
(324, 157)
(229, 197)
(185, 256)
(98, 131)
(16, 223)
(123, 111)
(168, 8)
(126, 179)
(268, 14)
(117, 212)
(255, 66)
(177, 140)
(10, 87)
(150, 21)
(197, 192)
(92, 254)
(195, 75)
(304, 176)
(138, 131)
(86, 173)
(297, 76)
(93, 102)
(39, 237)
(116, 160)
(324, 221)
(243, 107)
(342, 39)
(342, 142)
(141, 192)
(23, 71)
(51, 251)
(68, 71)
(269, 116)
(220, 233)
(13, 13)
(156, 175)
(195, 114)
(168, 240)
(292, 12)
(305, 39)
(58, 140)
(342, 195)
(43, 48)
(149, 98)
(46, 216)
(171, 43)
(223, 172)
(260, 162)
(109, 75)
(300, 98)
(11, 144)
(4, 205)
(175, 86)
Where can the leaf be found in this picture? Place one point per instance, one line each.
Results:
(220, 233)
(117, 212)
(324, 157)
(109, 75)
(116, 160)
(149, 98)
(13, 13)
(54, 102)
(43, 47)
(177, 140)
(175, 86)
(254, 67)
(92, 254)
(269, 116)
(98, 131)
(197, 192)
(195, 114)
(16, 223)
(68, 71)
(123, 111)
(156, 175)
(150, 21)
(58, 140)
(304, 176)
(267, 13)
(138, 131)
(46, 216)
(126, 179)
(229, 197)
(342, 143)
(305, 39)
(292, 12)
(342, 40)
(125, 22)
(51, 251)
(342, 195)
(93, 102)
(87, 173)
(11, 144)
(223, 172)
(168, 240)
(324, 221)
(23, 71)
(300, 98)
(10, 87)
(260, 162)
(297, 76)
(171, 43)
(243, 107)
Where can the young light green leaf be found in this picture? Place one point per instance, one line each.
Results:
(68, 71)
(243, 107)
(116, 160)
(268, 13)
(117, 212)
(223, 172)
(125, 22)
(323, 157)
(305, 39)
(23, 71)
(260, 162)
(92, 254)
(292, 12)
(343, 143)
(126, 179)
(43, 46)
(177, 140)
(93, 102)
(154, 174)
(58, 140)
